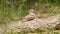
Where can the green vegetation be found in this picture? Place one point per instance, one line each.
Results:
(13, 10)
(34, 31)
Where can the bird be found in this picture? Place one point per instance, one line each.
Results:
(30, 16)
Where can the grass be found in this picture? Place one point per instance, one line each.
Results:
(49, 12)
(35, 31)
(11, 14)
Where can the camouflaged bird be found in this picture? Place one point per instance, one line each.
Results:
(30, 16)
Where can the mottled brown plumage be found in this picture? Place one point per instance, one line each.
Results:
(30, 16)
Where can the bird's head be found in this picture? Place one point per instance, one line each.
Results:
(31, 10)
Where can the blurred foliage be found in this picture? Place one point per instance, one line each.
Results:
(13, 10)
